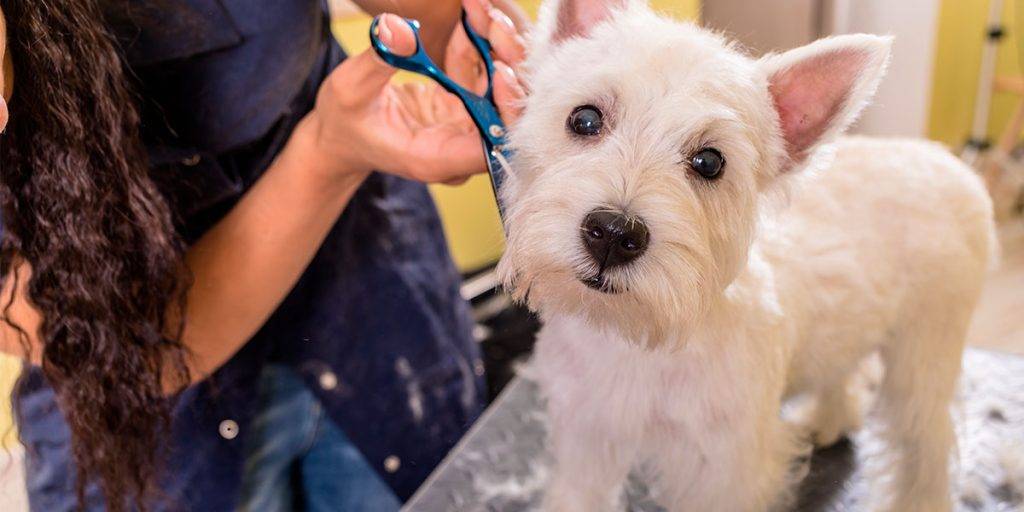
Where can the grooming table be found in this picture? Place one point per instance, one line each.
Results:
(501, 464)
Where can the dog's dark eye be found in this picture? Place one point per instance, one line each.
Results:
(708, 162)
(585, 121)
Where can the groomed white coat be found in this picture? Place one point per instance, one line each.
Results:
(775, 280)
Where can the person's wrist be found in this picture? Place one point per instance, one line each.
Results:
(330, 166)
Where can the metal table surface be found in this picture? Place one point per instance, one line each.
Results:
(501, 465)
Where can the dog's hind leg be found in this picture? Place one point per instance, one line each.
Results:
(922, 366)
(836, 414)
(842, 403)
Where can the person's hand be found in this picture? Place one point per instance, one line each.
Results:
(362, 122)
(6, 84)
(3, 109)
(462, 61)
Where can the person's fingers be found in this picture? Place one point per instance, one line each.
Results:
(496, 25)
(508, 45)
(463, 63)
(478, 12)
(359, 79)
(514, 10)
(508, 93)
(397, 35)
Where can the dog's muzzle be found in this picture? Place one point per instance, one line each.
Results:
(612, 240)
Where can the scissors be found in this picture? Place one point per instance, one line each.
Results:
(482, 109)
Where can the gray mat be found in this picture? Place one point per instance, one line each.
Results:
(501, 465)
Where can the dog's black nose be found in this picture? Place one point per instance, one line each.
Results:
(613, 239)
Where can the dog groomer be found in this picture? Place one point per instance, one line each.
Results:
(259, 226)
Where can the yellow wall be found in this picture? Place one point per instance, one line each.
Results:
(469, 213)
(957, 64)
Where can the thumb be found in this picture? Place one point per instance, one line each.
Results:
(362, 77)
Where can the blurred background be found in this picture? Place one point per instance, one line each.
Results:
(955, 77)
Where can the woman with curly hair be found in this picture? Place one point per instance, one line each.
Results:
(218, 259)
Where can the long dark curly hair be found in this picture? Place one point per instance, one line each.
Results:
(107, 272)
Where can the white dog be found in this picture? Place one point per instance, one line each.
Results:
(684, 297)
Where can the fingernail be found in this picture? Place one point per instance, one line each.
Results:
(384, 31)
(506, 71)
(502, 18)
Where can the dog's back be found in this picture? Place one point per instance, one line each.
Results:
(880, 201)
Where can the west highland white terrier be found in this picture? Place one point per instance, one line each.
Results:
(702, 245)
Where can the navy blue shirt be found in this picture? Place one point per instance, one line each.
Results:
(375, 319)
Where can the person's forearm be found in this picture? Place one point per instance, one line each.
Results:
(242, 268)
(245, 266)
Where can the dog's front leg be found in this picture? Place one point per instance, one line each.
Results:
(746, 467)
(591, 465)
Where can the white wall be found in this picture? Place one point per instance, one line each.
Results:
(902, 103)
(764, 25)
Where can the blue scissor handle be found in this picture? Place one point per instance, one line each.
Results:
(482, 109)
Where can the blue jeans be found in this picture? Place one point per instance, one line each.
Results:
(297, 459)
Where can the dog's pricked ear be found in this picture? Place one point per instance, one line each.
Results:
(575, 18)
(819, 89)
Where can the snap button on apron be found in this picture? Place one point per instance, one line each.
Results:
(392, 463)
(328, 381)
(228, 429)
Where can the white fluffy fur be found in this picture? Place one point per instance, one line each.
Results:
(882, 245)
